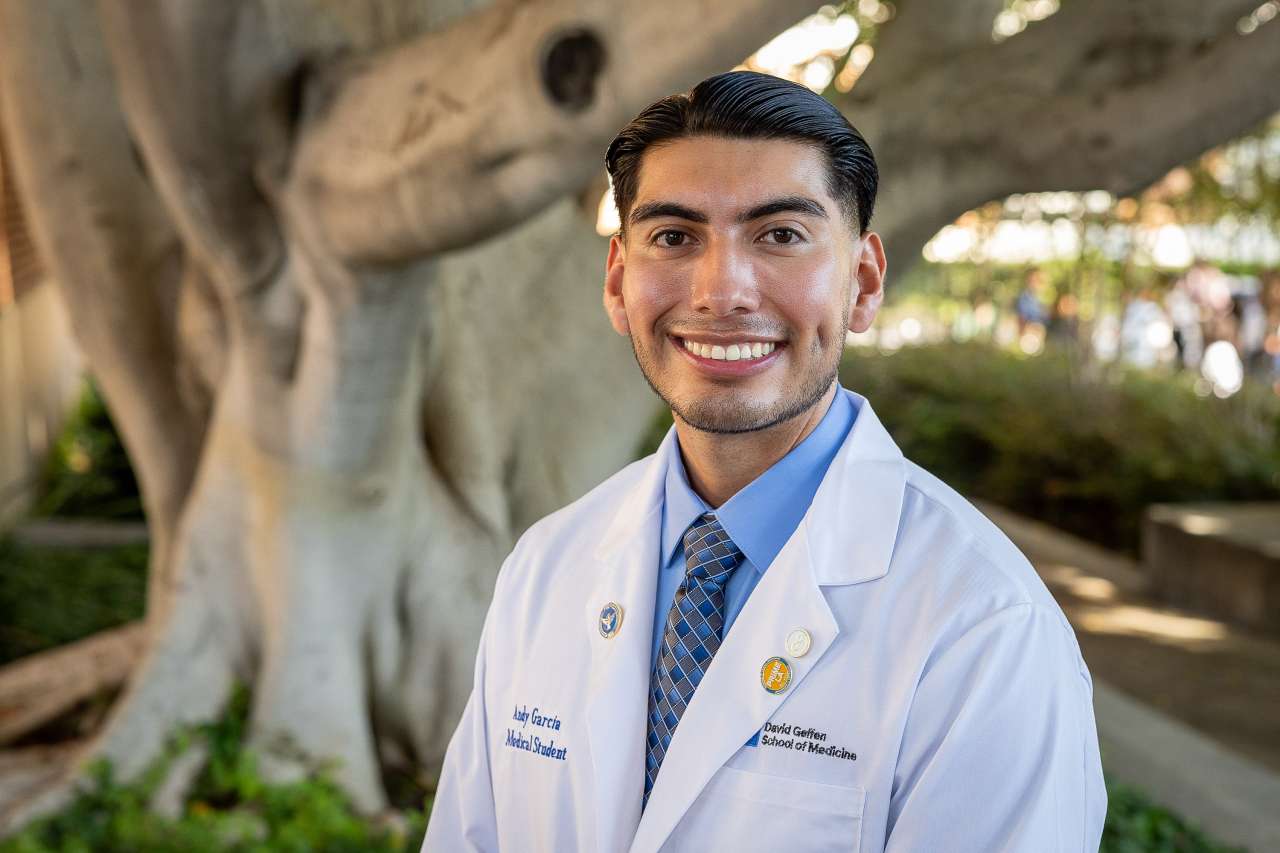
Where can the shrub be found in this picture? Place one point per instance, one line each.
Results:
(230, 808)
(1084, 450)
(1135, 825)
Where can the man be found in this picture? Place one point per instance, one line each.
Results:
(775, 633)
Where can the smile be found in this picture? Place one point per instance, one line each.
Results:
(741, 351)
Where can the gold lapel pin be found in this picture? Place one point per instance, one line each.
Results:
(775, 675)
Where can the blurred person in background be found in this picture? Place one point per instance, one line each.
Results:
(1029, 305)
(1145, 333)
(1184, 316)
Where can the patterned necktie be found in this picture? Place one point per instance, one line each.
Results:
(695, 624)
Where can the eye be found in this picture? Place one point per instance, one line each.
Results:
(783, 236)
(670, 238)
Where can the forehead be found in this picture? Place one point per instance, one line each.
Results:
(715, 173)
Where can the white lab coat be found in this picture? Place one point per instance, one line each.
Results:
(943, 705)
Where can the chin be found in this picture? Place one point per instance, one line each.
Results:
(730, 415)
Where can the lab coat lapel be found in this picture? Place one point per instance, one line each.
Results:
(731, 704)
(618, 680)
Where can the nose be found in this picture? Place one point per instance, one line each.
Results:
(724, 281)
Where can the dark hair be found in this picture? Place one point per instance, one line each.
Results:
(749, 105)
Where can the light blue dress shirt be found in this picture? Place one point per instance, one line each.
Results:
(759, 519)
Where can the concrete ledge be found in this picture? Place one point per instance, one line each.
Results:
(1232, 799)
(65, 533)
(1222, 559)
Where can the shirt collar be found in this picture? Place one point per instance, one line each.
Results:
(761, 517)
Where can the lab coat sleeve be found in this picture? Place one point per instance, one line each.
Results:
(1000, 750)
(463, 816)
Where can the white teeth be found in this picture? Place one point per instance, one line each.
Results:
(733, 352)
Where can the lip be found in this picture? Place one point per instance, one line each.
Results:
(712, 367)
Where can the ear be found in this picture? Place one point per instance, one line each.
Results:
(613, 302)
(869, 281)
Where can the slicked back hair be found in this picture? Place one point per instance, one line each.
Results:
(749, 105)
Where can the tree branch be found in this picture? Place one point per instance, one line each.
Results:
(200, 143)
(421, 150)
(925, 33)
(1103, 95)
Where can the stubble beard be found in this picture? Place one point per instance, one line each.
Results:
(727, 413)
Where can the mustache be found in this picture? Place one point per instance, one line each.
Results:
(681, 328)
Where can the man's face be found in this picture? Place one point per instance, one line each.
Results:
(736, 247)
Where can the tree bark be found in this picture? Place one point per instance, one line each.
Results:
(1102, 95)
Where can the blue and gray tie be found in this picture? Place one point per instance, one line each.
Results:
(695, 625)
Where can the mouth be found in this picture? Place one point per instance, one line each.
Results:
(729, 356)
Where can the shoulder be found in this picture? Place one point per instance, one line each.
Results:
(963, 570)
(575, 529)
(584, 517)
(941, 528)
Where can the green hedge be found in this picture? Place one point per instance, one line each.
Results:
(1084, 450)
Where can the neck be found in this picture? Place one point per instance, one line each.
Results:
(719, 465)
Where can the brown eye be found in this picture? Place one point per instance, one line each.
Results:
(783, 236)
(671, 239)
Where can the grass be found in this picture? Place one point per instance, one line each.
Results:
(52, 596)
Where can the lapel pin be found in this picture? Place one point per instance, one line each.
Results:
(798, 642)
(610, 620)
(775, 675)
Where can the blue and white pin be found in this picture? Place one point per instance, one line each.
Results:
(610, 620)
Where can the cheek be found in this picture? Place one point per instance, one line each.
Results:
(650, 295)
(813, 303)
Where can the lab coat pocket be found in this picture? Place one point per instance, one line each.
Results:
(747, 811)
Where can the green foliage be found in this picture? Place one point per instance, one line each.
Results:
(87, 473)
(51, 596)
(1135, 825)
(1085, 450)
(231, 808)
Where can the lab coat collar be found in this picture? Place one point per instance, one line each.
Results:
(861, 492)
(852, 523)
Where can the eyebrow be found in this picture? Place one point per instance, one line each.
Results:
(785, 204)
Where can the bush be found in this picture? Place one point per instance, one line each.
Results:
(1083, 451)
(1134, 825)
(51, 596)
(230, 809)
(87, 473)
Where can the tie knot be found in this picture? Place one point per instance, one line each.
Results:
(709, 553)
